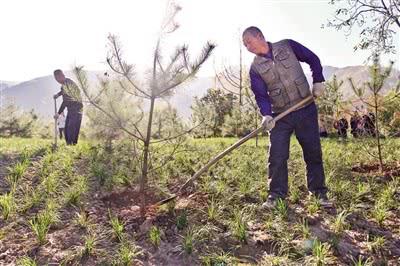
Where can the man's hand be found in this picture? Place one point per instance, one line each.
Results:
(56, 116)
(268, 122)
(318, 89)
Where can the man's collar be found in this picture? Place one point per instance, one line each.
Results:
(269, 50)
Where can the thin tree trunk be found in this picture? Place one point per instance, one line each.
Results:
(377, 132)
(240, 77)
(146, 150)
(159, 127)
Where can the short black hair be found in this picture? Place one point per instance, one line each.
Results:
(253, 31)
(57, 72)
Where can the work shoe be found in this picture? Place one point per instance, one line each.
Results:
(323, 200)
(270, 203)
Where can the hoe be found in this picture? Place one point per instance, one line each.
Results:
(228, 150)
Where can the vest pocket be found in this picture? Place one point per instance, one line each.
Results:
(277, 98)
(283, 57)
(302, 87)
(265, 70)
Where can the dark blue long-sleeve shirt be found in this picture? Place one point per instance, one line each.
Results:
(259, 87)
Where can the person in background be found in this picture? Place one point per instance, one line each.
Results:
(355, 121)
(341, 126)
(322, 129)
(61, 125)
(72, 100)
(368, 125)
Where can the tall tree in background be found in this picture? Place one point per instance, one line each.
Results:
(331, 102)
(212, 109)
(164, 78)
(377, 20)
(232, 79)
(15, 122)
(376, 102)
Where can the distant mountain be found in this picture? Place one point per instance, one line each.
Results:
(360, 74)
(37, 93)
(5, 84)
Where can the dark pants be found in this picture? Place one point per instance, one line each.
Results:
(304, 123)
(342, 133)
(72, 127)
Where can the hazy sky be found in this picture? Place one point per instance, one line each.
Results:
(39, 36)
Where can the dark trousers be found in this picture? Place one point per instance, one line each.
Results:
(342, 133)
(72, 127)
(304, 124)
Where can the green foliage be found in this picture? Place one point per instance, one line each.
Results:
(330, 103)
(126, 254)
(340, 222)
(40, 224)
(14, 122)
(305, 229)
(320, 252)
(82, 219)
(362, 262)
(390, 114)
(117, 226)
(155, 236)
(218, 259)
(213, 211)
(378, 78)
(376, 244)
(167, 123)
(281, 209)
(188, 241)
(182, 220)
(76, 190)
(16, 172)
(239, 225)
(7, 204)
(227, 210)
(89, 244)
(26, 261)
(379, 214)
(210, 112)
(313, 205)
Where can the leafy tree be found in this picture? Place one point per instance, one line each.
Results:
(331, 103)
(211, 110)
(163, 79)
(378, 21)
(376, 102)
(390, 114)
(15, 122)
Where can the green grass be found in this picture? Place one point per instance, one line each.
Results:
(239, 225)
(127, 252)
(40, 225)
(226, 206)
(117, 226)
(16, 172)
(155, 236)
(7, 204)
(26, 261)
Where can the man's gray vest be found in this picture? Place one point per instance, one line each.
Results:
(285, 79)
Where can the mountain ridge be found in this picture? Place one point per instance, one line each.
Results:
(37, 93)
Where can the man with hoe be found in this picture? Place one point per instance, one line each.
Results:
(72, 100)
(278, 82)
